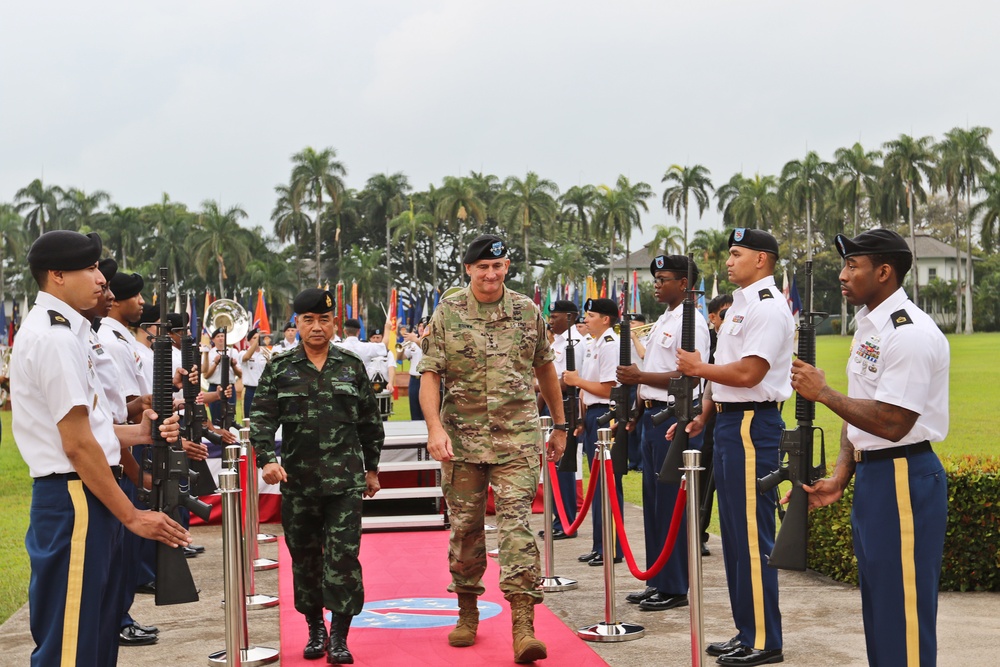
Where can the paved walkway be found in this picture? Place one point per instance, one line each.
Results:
(822, 619)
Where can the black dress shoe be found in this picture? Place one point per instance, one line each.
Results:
(722, 648)
(746, 656)
(587, 557)
(197, 548)
(189, 552)
(133, 636)
(148, 629)
(661, 602)
(147, 589)
(704, 550)
(599, 561)
(562, 535)
(639, 596)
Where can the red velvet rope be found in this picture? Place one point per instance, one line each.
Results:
(668, 546)
(558, 501)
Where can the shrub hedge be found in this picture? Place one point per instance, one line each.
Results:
(972, 540)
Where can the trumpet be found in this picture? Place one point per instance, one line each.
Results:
(639, 331)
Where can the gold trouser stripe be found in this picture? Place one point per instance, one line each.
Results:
(756, 575)
(74, 579)
(908, 561)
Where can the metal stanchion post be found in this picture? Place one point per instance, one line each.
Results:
(253, 599)
(609, 630)
(262, 538)
(692, 468)
(238, 652)
(253, 505)
(550, 582)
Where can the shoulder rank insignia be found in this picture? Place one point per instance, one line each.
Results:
(609, 338)
(56, 318)
(765, 294)
(118, 335)
(899, 318)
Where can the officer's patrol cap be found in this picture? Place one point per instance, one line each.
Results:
(126, 285)
(602, 307)
(564, 306)
(108, 268)
(352, 323)
(64, 250)
(673, 263)
(485, 246)
(313, 300)
(872, 242)
(754, 239)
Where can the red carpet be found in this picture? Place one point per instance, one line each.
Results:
(406, 578)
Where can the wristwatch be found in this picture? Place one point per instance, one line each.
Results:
(560, 427)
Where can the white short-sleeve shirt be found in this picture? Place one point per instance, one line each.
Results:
(663, 343)
(600, 364)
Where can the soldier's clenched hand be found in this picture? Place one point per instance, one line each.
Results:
(439, 445)
(556, 445)
(371, 483)
(274, 473)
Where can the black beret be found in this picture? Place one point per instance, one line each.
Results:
(64, 250)
(176, 320)
(150, 314)
(288, 326)
(108, 268)
(564, 306)
(126, 285)
(485, 246)
(216, 332)
(675, 263)
(251, 333)
(872, 242)
(377, 332)
(352, 323)
(754, 239)
(602, 307)
(313, 300)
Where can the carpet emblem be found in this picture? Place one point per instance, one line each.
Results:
(414, 613)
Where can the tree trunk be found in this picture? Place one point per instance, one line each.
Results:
(525, 225)
(913, 243)
(958, 271)
(968, 265)
(218, 261)
(319, 238)
(685, 229)
(611, 258)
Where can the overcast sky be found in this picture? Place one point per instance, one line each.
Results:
(208, 100)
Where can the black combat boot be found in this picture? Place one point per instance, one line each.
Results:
(337, 653)
(318, 639)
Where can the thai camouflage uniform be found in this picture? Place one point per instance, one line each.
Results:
(331, 434)
(485, 355)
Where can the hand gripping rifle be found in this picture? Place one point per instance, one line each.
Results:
(621, 405)
(202, 482)
(225, 415)
(791, 543)
(167, 466)
(571, 408)
(683, 405)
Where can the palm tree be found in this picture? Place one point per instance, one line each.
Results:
(218, 237)
(668, 239)
(526, 205)
(713, 247)
(804, 184)
(314, 173)
(578, 204)
(567, 265)
(746, 202)
(989, 208)
(41, 204)
(460, 200)
(383, 199)
(80, 210)
(291, 223)
(171, 225)
(11, 240)
(695, 180)
(275, 277)
(367, 269)
(964, 157)
(407, 227)
(124, 233)
(617, 213)
(906, 159)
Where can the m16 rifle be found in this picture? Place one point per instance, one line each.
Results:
(167, 468)
(571, 408)
(225, 413)
(684, 406)
(202, 482)
(792, 541)
(621, 398)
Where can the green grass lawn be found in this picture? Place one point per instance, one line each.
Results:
(975, 420)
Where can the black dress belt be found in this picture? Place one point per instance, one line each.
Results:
(117, 471)
(749, 406)
(594, 406)
(650, 403)
(862, 456)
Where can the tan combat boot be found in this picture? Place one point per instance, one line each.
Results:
(526, 647)
(464, 633)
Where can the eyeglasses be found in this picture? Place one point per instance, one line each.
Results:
(660, 281)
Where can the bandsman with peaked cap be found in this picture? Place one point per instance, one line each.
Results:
(896, 405)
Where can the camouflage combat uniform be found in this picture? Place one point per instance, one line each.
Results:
(485, 355)
(331, 434)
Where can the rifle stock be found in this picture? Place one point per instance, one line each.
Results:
(791, 545)
(167, 467)
(684, 406)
